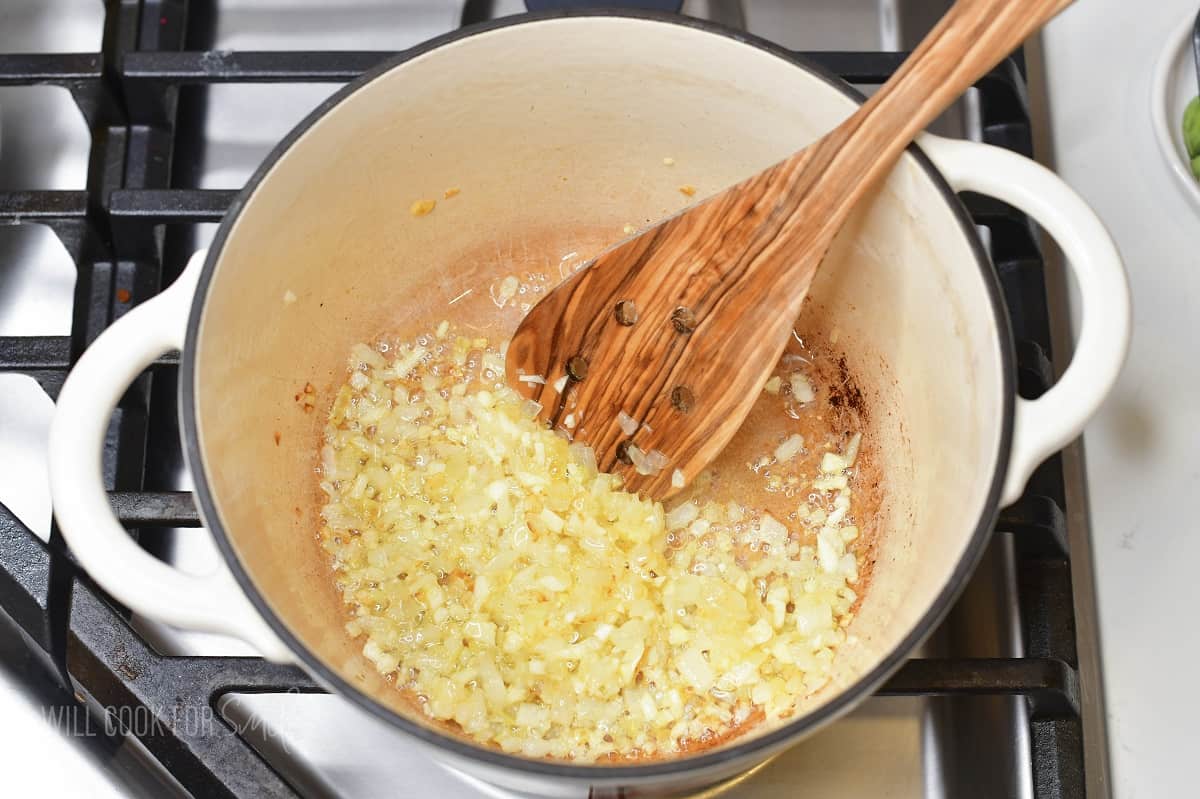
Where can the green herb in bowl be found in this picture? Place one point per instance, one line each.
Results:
(1191, 134)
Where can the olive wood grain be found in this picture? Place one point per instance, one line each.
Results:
(741, 262)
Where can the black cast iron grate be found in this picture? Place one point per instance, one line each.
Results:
(129, 233)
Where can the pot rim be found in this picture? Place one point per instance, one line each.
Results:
(763, 744)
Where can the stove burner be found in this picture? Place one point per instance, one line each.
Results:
(129, 233)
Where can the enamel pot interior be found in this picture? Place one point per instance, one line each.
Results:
(555, 130)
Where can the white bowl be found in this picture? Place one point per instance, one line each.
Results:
(1175, 86)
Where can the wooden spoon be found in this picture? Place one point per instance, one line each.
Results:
(677, 329)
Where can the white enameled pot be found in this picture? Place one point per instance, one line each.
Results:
(552, 125)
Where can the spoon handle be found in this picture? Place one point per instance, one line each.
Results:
(970, 39)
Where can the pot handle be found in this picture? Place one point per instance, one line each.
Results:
(1047, 424)
(145, 584)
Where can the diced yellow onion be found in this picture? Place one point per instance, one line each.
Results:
(628, 424)
(802, 389)
(790, 448)
(681, 515)
(852, 449)
(656, 461)
(491, 568)
(504, 290)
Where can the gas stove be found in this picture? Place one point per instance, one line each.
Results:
(125, 132)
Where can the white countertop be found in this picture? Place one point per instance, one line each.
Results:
(1143, 462)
